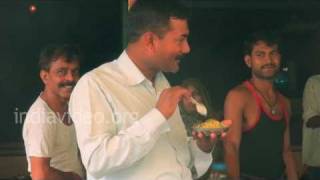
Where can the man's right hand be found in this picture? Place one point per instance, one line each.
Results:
(170, 98)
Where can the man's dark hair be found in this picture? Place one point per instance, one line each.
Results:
(271, 38)
(153, 16)
(53, 52)
(202, 91)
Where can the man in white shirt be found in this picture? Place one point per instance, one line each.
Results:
(48, 132)
(311, 127)
(125, 112)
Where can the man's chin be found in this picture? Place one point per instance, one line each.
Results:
(66, 96)
(172, 69)
(266, 76)
(269, 78)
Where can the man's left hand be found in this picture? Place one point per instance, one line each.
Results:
(205, 142)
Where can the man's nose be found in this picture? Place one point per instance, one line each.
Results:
(270, 58)
(70, 76)
(186, 48)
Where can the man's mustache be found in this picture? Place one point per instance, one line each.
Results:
(69, 83)
(180, 56)
(268, 66)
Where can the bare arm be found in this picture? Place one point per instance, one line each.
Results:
(41, 170)
(287, 153)
(233, 110)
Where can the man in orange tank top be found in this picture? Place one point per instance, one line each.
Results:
(258, 145)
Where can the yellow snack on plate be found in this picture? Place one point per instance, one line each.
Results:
(210, 124)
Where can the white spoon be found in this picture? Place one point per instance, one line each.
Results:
(201, 109)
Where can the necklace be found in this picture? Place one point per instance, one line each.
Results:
(272, 106)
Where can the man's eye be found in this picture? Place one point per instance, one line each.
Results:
(61, 72)
(260, 54)
(76, 72)
(180, 40)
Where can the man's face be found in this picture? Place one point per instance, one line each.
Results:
(264, 60)
(61, 78)
(172, 46)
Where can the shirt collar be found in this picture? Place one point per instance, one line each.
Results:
(130, 70)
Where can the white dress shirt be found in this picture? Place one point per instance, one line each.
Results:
(122, 136)
(311, 136)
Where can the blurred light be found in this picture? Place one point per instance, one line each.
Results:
(32, 8)
(130, 3)
(282, 80)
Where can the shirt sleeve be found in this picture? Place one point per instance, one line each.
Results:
(103, 148)
(311, 99)
(41, 134)
(201, 160)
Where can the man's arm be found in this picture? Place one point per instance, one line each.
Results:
(41, 170)
(311, 104)
(288, 158)
(201, 160)
(233, 110)
(287, 153)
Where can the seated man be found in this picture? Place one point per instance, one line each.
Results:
(48, 132)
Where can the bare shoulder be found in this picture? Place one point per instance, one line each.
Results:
(240, 93)
(236, 101)
(234, 109)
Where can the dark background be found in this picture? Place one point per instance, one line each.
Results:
(96, 26)
(218, 29)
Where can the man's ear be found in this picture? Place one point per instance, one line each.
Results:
(150, 41)
(44, 76)
(247, 60)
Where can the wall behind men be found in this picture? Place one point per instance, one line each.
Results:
(96, 26)
(218, 29)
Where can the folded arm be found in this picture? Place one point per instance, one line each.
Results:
(41, 170)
